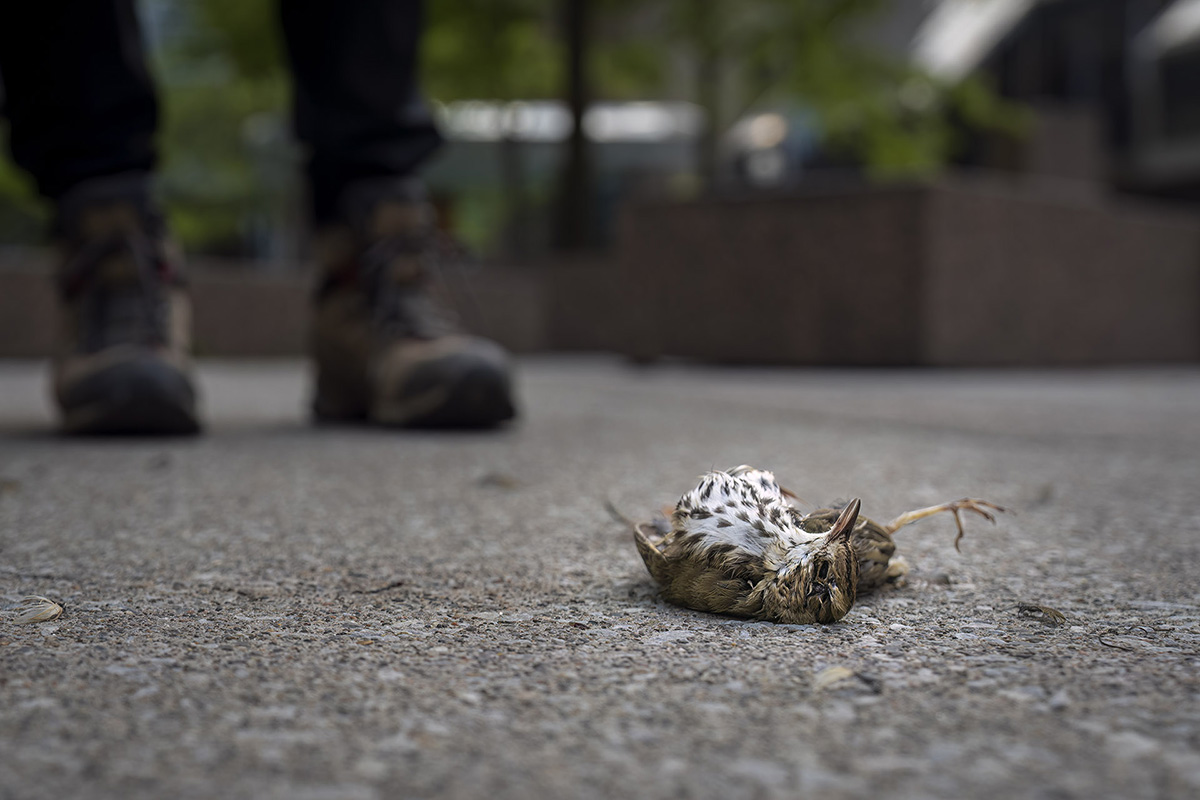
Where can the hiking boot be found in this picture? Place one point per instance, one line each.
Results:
(122, 364)
(385, 351)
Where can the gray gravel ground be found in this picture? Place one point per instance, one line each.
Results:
(276, 610)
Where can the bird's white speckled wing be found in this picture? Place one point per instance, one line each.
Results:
(743, 510)
(760, 482)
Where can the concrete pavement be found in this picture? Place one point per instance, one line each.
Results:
(275, 610)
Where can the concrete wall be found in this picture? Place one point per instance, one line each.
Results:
(818, 278)
(27, 306)
(1015, 276)
(236, 311)
(972, 271)
(239, 311)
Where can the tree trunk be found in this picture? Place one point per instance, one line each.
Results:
(574, 228)
(708, 90)
(512, 180)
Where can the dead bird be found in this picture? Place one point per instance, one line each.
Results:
(735, 545)
(873, 541)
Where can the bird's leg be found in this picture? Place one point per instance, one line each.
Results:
(981, 507)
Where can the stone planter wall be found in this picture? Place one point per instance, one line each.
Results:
(972, 271)
(964, 272)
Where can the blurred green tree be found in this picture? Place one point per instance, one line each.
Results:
(222, 84)
(496, 50)
(228, 174)
(226, 168)
(22, 216)
(875, 109)
(491, 50)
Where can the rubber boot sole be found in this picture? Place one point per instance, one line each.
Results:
(141, 397)
(461, 395)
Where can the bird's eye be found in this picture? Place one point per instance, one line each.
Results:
(823, 570)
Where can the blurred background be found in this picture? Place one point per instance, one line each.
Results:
(935, 182)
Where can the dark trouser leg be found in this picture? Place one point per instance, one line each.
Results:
(383, 350)
(357, 107)
(83, 114)
(79, 99)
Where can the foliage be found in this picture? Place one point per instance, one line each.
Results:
(220, 73)
(225, 91)
(512, 49)
(223, 80)
(877, 110)
(491, 50)
(22, 216)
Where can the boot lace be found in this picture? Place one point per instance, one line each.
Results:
(404, 307)
(118, 312)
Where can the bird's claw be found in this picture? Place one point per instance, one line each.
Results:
(981, 507)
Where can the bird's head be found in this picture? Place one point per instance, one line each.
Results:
(817, 579)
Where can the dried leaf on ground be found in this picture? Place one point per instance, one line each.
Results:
(36, 608)
(498, 480)
(830, 676)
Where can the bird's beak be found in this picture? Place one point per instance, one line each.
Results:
(845, 522)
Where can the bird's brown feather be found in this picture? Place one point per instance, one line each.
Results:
(872, 544)
(735, 545)
(707, 579)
